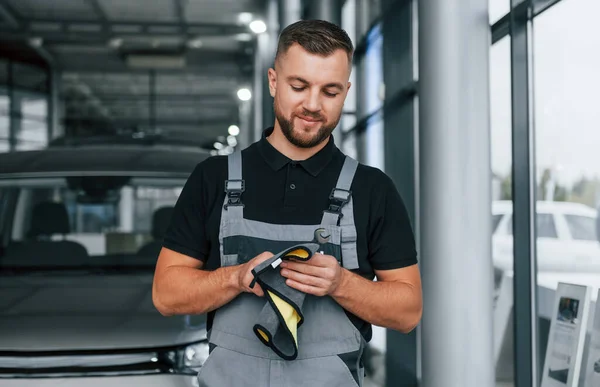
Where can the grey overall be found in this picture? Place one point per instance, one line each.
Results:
(330, 347)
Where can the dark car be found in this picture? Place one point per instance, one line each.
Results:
(80, 232)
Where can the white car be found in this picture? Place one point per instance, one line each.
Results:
(567, 245)
(80, 232)
(566, 237)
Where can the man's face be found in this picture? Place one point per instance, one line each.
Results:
(309, 93)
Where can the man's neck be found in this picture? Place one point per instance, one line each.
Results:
(281, 143)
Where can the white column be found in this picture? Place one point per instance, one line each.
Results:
(266, 45)
(126, 210)
(289, 12)
(257, 88)
(455, 193)
(246, 136)
(55, 129)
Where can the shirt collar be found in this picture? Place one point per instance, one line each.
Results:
(276, 160)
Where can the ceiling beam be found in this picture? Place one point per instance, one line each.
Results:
(206, 63)
(90, 32)
(232, 28)
(220, 96)
(100, 37)
(225, 70)
(116, 121)
(180, 102)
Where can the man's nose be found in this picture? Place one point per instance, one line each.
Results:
(312, 102)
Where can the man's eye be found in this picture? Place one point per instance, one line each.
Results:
(330, 94)
(297, 88)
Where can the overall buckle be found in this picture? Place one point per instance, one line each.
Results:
(338, 198)
(234, 190)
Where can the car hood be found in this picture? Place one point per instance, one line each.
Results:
(82, 311)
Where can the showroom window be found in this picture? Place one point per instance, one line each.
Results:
(24, 118)
(362, 122)
(373, 135)
(545, 161)
(4, 120)
(566, 130)
(32, 120)
(4, 107)
(347, 137)
(501, 162)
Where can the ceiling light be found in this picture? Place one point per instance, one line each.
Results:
(258, 26)
(36, 42)
(234, 130)
(231, 141)
(218, 145)
(244, 94)
(115, 43)
(244, 37)
(225, 151)
(195, 43)
(245, 17)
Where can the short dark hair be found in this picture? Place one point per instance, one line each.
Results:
(318, 37)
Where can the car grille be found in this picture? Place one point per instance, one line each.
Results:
(27, 365)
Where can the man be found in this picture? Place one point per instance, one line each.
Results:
(295, 181)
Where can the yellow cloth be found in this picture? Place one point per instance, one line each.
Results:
(298, 254)
(289, 314)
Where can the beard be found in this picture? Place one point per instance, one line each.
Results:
(288, 130)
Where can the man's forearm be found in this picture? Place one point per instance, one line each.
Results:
(185, 290)
(394, 305)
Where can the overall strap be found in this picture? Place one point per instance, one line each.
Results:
(233, 208)
(341, 195)
(341, 213)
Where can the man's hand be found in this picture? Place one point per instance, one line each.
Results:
(245, 275)
(320, 276)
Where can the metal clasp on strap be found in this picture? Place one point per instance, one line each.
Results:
(234, 190)
(338, 199)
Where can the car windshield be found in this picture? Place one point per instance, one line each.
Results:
(582, 228)
(92, 222)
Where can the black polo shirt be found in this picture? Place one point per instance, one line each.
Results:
(281, 191)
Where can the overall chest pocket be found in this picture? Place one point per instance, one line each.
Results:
(254, 238)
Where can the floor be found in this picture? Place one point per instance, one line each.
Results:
(376, 377)
(371, 383)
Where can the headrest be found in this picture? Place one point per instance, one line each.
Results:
(160, 222)
(49, 218)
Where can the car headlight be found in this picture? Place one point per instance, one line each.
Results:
(195, 355)
(189, 359)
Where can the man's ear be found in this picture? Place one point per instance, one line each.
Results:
(272, 75)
